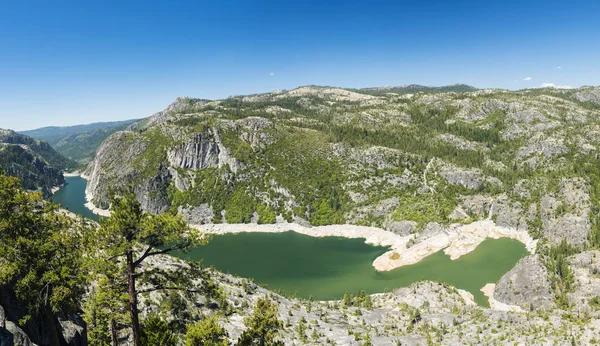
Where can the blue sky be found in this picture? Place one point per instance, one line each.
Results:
(73, 62)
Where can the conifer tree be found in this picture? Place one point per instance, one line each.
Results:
(127, 240)
(263, 326)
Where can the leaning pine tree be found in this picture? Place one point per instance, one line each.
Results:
(126, 241)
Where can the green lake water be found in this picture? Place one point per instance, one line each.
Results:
(326, 268)
(72, 197)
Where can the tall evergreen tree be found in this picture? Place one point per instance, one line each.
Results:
(128, 239)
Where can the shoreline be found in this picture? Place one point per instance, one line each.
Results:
(97, 211)
(89, 197)
(457, 241)
(488, 291)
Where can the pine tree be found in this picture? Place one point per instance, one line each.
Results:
(127, 240)
(263, 326)
(206, 332)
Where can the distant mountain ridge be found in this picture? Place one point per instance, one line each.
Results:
(79, 142)
(415, 88)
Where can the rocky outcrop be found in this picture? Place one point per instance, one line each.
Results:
(377, 152)
(201, 151)
(115, 167)
(34, 174)
(565, 215)
(256, 131)
(197, 215)
(509, 214)
(181, 105)
(34, 162)
(43, 328)
(586, 269)
(73, 330)
(526, 285)
(10, 333)
(469, 178)
(589, 94)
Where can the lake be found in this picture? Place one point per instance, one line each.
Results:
(72, 197)
(326, 268)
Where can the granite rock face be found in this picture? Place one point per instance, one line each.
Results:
(590, 94)
(42, 329)
(198, 215)
(526, 285)
(586, 269)
(200, 152)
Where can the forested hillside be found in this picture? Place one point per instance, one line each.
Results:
(33, 161)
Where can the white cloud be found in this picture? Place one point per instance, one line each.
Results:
(527, 78)
(559, 67)
(271, 74)
(552, 85)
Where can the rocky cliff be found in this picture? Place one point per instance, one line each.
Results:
(34, 162)
(45, 328)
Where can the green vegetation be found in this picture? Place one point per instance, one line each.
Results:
(125, 242)
(263, 326)
(33, 173)
(155, 144)
(325, 156)
(359, 300)
(78, 143)
(206, 332)
(555, 258)
(426, 208)
(41, 252)
(155, 331)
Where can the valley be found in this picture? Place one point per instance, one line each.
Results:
(321, 267)
(376, 214)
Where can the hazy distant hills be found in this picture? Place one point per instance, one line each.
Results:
(416, 88)
(78, 143)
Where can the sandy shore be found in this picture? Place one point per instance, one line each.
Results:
(488, 291)
(455, 242)
(97, 211)
(372, 235)
(72, 174)
(89, 197)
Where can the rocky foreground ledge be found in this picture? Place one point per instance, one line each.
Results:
(456, 240)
